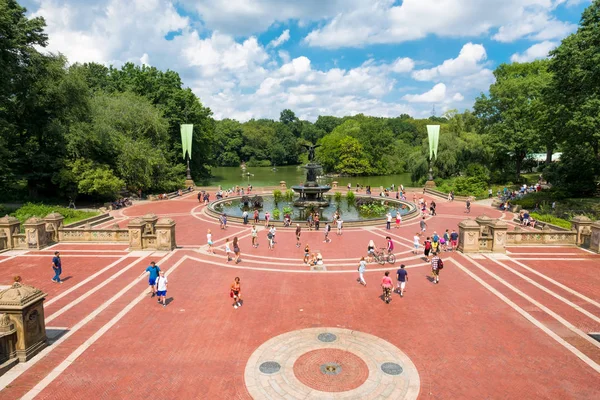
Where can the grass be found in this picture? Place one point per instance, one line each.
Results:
(29, 210)
(563, 223)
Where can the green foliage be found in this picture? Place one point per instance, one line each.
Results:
(39, 210)
(256, 163)
(289, 195)
(287, 210)
(338, 197)
(276, 213)
(372, 210)
(350, 197)
(277, 196)
(563, 223)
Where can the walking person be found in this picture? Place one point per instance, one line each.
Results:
(389, 245)
(298, 233)
(387, 285)
(423, 225)
(309, 221)
(235, 293)
(270, 238)
(340, 225)
(453, 240)
(256, 217)
(436, 266)
(245, 217)
(427, 248)
(446, 240)
(236, 249)
(362, 267)
(402, 278)
(317, 221)
(161, 288)
(273, 232)
(306, 254)
(227, 250)
(468, 206)
(398, 219)
(267, 217)
(254, 234)
(327, 230)
(432, 207)
(388, 221)
(210, 242)
(154, 270)
(416, 243)
(57, 267)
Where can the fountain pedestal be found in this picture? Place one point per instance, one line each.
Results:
(311, 193)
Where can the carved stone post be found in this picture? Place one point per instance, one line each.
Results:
(582, 225)
(8, 343)
(468, 236)
(24, 305)
(334, 184)
(282, 185)
(136, 229)
(35, 233)
(498, 230)
(150, 220)
(484, 225)
(595, 239)
(165, 234)
(11, 227)
(54, 222)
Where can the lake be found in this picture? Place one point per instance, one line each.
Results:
(294, 175)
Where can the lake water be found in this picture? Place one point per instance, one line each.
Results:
(294, 175)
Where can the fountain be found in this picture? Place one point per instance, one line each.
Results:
(311, 193)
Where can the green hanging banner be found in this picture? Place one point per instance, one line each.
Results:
(187, 131)
(433, 131)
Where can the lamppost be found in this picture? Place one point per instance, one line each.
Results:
(433, 133)
(187, 132)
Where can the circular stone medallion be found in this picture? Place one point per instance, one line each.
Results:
(354, 365)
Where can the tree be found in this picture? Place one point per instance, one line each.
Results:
(512, 112)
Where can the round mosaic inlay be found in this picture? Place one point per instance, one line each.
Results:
(331, 370)
(355, 365)
(327, 337)
(391, 368)
(269, 367)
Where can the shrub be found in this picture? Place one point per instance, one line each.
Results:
(289, 195)
(258, 163)
(287, 210)
(372, 210)
(350, 198)
(277, 196)
(338, 196)
(276, 213)
(563, 223)
(29, 210)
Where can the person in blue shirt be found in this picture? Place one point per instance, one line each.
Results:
(154, 272)
(57, 267)
(402, 278)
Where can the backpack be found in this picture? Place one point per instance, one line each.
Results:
(440, 264)
(428, 245)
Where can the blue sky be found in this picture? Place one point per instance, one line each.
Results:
(252, 58)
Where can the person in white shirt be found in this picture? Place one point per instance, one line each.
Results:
(161, 288)
(209, 241)
(417, 243)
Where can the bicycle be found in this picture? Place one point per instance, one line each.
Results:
(381, 257)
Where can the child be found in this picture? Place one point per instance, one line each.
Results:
(161, 288)
(227, 249)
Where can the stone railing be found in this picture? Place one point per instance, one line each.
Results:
(147, 233)
(93, 235)
(443, 195)
(492, 235)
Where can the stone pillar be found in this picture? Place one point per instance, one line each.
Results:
(484, 223)
(595, 239)
(3, 240)
(150, 221)
(582, 225)
(334, 184)
(283, 185)
(8, 344)
(24, 305)
(468, 236)
(11, 227)
(136, 230)
(498, 230)
(165, 234)
(54, 222)
(35, 233)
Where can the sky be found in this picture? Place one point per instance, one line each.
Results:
(253, 58)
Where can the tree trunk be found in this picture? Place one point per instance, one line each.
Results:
(549, 151)
(519, 163)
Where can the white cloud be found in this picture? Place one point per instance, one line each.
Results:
(386, 21)
(145, 59)
(538, 50)
(402, 65)
(435, 95)
(468, 61)
(284, 37)
(458, 97)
